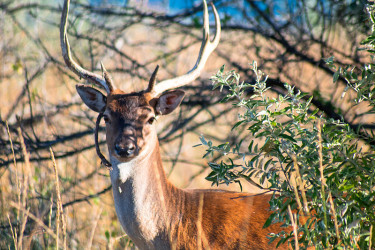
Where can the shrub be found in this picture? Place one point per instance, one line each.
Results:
(319, 168)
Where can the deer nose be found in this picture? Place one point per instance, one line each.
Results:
(126, 149)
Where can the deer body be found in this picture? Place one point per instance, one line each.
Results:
(153, 212)
(157, 215)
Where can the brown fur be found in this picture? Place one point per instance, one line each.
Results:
(227, 220)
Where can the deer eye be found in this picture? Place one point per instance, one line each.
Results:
(151, 120)
(106, 119)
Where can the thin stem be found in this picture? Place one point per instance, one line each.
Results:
(33, 217)
(370, 240)
(59, 213)
(335, 217)
(322, 179)
(294, 224)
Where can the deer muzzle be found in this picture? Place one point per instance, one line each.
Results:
(126, 144)
(126, 148)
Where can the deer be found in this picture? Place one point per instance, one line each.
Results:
(153, 212)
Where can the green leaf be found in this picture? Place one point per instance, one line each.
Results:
(368, 40)
(204, 142)
(287, 137)
(250, 147)
(255, 158)
(263, 133)
(269, 220)
(222, 68)
(267, 163)
(336, 76)
(238, 124)
(107, 235)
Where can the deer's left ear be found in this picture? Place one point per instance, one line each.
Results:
(167, 102)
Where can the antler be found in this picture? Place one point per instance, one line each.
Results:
(152, 81)
(101, 81)
(206, 49)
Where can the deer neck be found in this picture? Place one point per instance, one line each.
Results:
(144, 198)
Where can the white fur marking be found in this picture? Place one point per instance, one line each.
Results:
(126, 170)
(146, 194)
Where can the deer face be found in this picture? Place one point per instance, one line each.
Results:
(130, 117)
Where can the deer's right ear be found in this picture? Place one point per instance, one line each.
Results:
(93, 98)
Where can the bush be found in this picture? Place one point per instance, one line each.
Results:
(317, 167)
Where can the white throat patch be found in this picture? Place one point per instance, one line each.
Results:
(126, 169)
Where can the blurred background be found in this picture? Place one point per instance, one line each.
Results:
(40, 111)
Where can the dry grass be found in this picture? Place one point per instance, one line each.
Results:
(55, 226)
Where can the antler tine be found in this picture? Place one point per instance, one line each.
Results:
(107, 78)
(72, 65)
(152, 81)
(206, 49)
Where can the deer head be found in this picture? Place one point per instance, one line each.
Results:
(129, 117)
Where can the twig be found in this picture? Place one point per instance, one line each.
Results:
(25, 187)
(300, 183)
(11, 144)
(23, 225)
(295, 190)
(89, 244)
(50, 216)
(86, 198)
(294, 224)
(33, 217)
(322, 179)
(15, 167)
(335, 217)
(370, 240)
(14, 233)
(60, 211)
